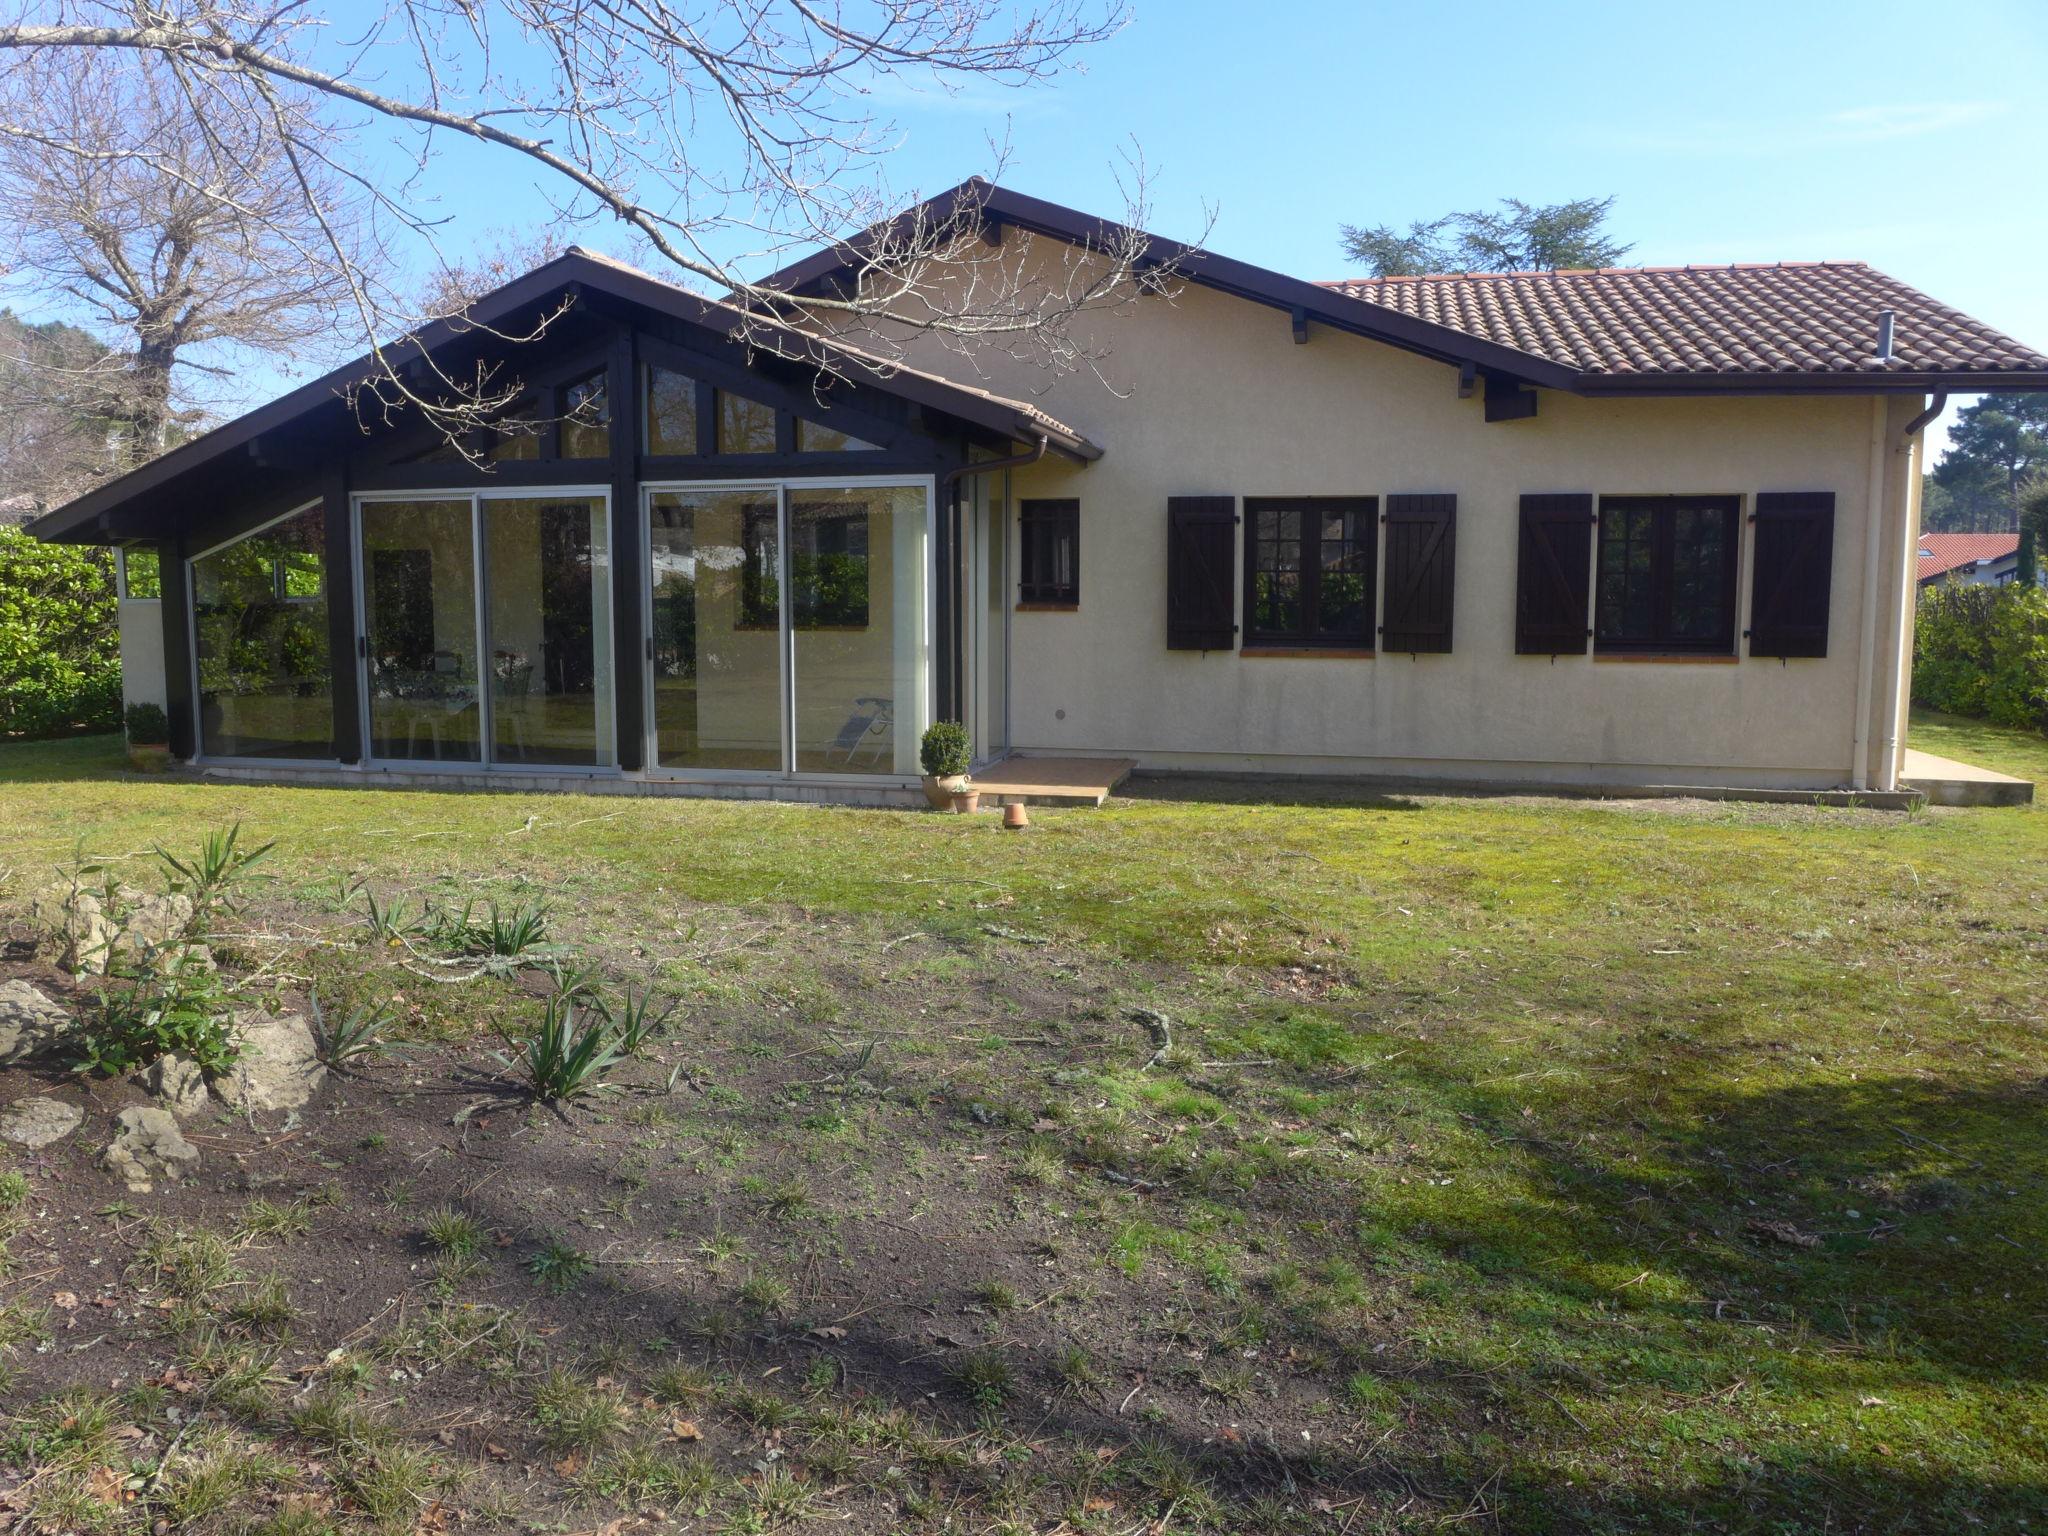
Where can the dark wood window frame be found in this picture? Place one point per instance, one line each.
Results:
(1307, 635)
(1661, 634)
(1049, 553)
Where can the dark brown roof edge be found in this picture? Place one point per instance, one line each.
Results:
(1020, 421)
(1382, 323)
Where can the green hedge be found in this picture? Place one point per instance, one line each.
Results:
(1983, 651)
(60, 654)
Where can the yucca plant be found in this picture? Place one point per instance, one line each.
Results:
(355, 1038)
(391, 922)
(569, 1055)
(511, 933)
(209, 876)
(635, 1019)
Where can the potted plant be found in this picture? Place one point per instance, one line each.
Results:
(149, 737)
(944, 753)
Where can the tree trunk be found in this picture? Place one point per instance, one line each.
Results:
(148, 417)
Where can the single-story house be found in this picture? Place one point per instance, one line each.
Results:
(1969, 559)
(1617, 528)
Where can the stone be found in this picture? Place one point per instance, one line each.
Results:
(177, 1084)
(148, 924)
(32, 1024)
(72, 926)
(148, 1146)
(279, 1067)
(37, 1122)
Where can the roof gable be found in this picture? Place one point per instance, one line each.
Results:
(1943, 552)
(1788, 327)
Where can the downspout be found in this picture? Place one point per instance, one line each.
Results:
(1894, 713)
(1873, 546)
(949, 482)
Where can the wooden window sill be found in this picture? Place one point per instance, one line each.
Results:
(1668, 658)
(1306, 653)
(1048, 607)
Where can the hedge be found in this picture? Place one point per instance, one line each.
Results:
(60, 654)
(1983, 651)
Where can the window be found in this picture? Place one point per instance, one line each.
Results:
(259, 634)
(1666, 573)
(828, 565)
(517, 436)
(744, 426)
(140, 575)
(760, 581)
(1049, 552)
(671, 412)
(1309, 571)
(586, 420)
(811, 437)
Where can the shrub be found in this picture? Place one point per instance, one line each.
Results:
(176, 1008)
(1983, 651)
(569, 1055)
(60, 664)
(148, 726)
(944, 749)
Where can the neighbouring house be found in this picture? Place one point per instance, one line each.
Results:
(1969, 559)
(1619, 528)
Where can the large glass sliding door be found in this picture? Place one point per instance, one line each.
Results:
(488, 627)
(716, 628)
(788, 627)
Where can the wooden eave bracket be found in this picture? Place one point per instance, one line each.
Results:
(1507, 399)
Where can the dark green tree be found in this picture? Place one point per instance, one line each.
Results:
(1995, 445)
(2027, 573)
(1518, 237)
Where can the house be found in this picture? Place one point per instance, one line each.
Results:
(1605, 529)
(1969, 559)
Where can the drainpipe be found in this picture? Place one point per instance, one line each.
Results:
(1873, 548)
(949, 482)
(1894, 712)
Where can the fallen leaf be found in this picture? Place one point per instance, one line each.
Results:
(105, 1484)
(569, 1465)
(1784, 1232)
(685, 1429)
(828, 1331)
(65, 1301)
(495, 1451)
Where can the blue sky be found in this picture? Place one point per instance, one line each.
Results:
(1900, 134)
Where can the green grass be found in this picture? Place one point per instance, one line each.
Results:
(1486, 1119)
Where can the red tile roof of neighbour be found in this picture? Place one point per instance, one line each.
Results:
(1782, 317)
(1941, 552)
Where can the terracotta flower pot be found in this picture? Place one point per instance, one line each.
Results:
(940, 788)
(966, 802)
(1015, 816)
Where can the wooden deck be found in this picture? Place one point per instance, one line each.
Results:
(1052, 780)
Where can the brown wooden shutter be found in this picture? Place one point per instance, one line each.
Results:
(1421, 563)
(1552, 577)
(1792, 569)
(1201, 563)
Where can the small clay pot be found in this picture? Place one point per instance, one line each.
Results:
(1015, 817)
(966, 802)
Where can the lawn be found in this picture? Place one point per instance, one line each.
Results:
(1234, 1161)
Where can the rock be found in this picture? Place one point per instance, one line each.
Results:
(279, 1067)
(37, 1122)
(72, 926)
(148, 924)
(177, 1084)
(31, 1024)
(147, 1146)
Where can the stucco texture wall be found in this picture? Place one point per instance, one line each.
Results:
(1210, 395)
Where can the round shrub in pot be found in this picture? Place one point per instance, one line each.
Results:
(944, 752)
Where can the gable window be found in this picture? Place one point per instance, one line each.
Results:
(586, 419)
(1310, 564)
(1666, 574)
(671, 412)
(815, 437)
(516, 436)
(1049, 553)
(744, 426)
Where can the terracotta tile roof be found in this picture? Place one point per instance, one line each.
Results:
(1785, 317)
(1941, 552)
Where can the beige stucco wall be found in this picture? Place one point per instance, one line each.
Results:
(1208, 394)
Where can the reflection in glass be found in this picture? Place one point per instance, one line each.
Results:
(814, 437)
(717, 675)
(744, 426)
(140, 573)
(586, 420)
(548, 579)
(671, 412)
(259, 613)
(419, 599)
(856, 574)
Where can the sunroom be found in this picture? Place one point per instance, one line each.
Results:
(696, 551)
